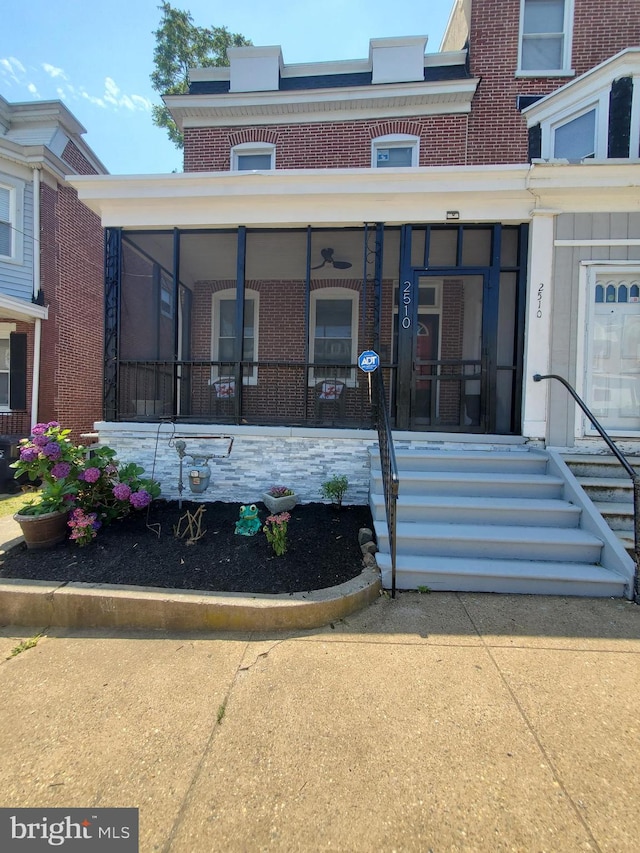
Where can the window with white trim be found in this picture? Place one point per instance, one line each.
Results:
(223, 338)
(333, 333)
(545, 36)
(7, 215)
(395, 150)
(5, 365)
(253, 157)
(575, 139)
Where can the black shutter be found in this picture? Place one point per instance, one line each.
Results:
(620, 117)
(535, 142)
(18, 371)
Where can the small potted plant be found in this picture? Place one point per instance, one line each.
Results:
(279, 499)
(334, 489)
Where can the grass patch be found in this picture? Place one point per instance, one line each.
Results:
(10, 504)
(24, 645)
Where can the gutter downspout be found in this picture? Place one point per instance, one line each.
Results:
(35, 385)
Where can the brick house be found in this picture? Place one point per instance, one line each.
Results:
(468, 214)
(51, 273)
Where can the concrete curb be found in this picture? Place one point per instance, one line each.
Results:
(82, 605)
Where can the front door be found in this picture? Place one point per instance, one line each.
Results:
(457, 353)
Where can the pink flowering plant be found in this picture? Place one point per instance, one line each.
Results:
(280, 491)
(275, 529)
(89, 483)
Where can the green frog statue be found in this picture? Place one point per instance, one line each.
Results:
(249, 523)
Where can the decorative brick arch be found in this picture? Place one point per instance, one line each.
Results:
(388, 128)
(253, 134)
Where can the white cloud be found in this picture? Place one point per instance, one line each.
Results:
(92, 99)
(32, 88)
(12, 67)
(110, 87)
(113, 95)
(142, 103)
(52, 71)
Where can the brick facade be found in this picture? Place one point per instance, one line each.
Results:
(494, 132)
(328, 145)
(72, 277)
(497, 130)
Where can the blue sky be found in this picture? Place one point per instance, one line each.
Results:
(97, 57)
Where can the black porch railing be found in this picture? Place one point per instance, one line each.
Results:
(249, 392)
(389, 468)
(622, 459)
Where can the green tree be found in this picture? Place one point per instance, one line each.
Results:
(180, 45)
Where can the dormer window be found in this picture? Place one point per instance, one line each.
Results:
(394, 151)
(576, 139)
(253, 157)
(545, 37)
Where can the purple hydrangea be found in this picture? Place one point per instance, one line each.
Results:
(60, 470)
(39, 429)
(40, 440)
(140, 499)
(122, 491)
(52, 450)
(90, 475)
(29, 454)
(52, 424)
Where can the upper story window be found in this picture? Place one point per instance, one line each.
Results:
(11, 214)
(6, 222)
(545, 37)
(575, 139)
(253, 156)
(395, 151)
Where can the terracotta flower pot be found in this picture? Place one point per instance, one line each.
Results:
(43, 531)
(276, 505)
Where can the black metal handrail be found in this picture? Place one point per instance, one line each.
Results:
(389, 468)
(622, 459)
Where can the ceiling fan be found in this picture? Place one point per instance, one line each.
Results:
(327, 254)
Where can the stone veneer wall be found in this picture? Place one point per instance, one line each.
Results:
(260, 457)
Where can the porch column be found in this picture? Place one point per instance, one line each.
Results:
(537, 353)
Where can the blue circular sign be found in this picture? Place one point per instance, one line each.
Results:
(368, 361)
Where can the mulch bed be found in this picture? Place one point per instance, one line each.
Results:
(323, 551)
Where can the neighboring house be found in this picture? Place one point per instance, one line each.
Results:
(51, 273)
(468, 214)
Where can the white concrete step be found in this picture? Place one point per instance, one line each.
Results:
(599, 465)
(469, 461)
(613, 489)
(618, 515)
(532, 512)
(502, 576)
(518, 485)
(491, 541)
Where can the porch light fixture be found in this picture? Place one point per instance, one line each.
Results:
(327, 255)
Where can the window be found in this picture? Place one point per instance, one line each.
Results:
(224, 334)
(545, 35)
(166, 295)
(333, 332)
(396, 150)
(5, 222)
(253, 156)
(576, 138)
(6, 330)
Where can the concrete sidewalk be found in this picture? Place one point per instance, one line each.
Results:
(442, 722)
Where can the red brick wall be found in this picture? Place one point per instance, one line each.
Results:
(78, 162)
(497, 131)
(327, 145)
(72, 338)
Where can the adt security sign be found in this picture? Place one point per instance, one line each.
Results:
(368, 361)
